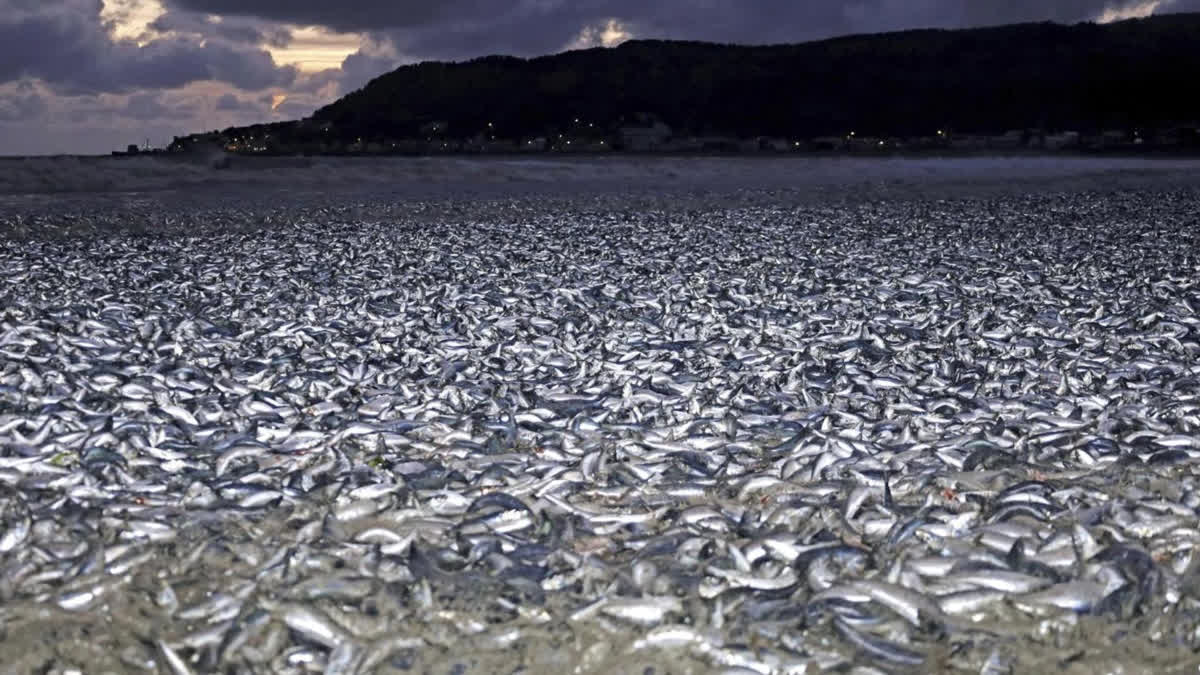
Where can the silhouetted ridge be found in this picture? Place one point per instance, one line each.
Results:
(1123, 75)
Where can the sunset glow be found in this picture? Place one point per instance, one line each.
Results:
(75, 74)
(314, 48)
(131, 19)
(1137, 11)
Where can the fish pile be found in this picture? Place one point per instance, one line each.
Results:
(520, 436)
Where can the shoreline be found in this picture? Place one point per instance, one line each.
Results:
(941, 153)
(248, 179)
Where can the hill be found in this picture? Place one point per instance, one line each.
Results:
(1087, 77)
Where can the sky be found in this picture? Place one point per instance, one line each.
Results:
(91, 76)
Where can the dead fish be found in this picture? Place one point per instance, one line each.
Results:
(288, 428)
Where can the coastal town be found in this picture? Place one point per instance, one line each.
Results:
(645, 133)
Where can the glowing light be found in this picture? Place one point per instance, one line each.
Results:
(608, 34)
(131, 19)
(313, 48)
(277, 100)
(1137, 10)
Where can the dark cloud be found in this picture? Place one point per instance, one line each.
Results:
(320, 81)
(22, 106)
(146, 107)
(152, 106)
(85, 58)
(243, 32)
(1180, 6)
(237, 30)
(456, 28)
(65, 44)
(83, 78)
(1062, 11)
(460, 29)
(362, 66)
(359, 15)
(231, 103)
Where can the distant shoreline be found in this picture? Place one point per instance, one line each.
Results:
(1149, 153)
(255, 177)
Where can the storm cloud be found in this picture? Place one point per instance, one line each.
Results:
(66, 44)
(457, 28)
(67, 65)
(22, 104)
